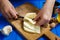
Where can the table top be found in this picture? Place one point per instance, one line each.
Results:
(14, 35)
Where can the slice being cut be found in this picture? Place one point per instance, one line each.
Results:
(30, 20)
(29, 23)
(31, 15)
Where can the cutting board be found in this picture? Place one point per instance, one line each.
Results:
(18, 24)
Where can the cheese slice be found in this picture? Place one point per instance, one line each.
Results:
(29, 23)
(30, 20)
(32, 31)
(31, 15)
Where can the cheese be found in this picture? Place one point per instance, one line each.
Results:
(31, 15)
(29, 23)
(6, 30)
(30, 20)
(32, 31)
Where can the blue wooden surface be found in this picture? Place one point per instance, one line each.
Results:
(15, 35)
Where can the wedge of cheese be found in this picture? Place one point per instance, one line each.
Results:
(29, 23)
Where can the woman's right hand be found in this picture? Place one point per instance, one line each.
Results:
(7, 9)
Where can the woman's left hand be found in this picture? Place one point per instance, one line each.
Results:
(45, 13)
(42, 18)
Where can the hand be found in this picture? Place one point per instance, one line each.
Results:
(42, 18)
(45, 14)
(7, 9)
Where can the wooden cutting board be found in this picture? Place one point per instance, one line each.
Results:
(18, 24)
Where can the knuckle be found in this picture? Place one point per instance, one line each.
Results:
(46, 18)
(6, 11)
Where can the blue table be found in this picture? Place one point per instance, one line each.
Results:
(15, 35)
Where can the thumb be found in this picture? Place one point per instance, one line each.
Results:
(38, 15)
(41, 22)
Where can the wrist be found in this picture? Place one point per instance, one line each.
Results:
(3, 0)
(50, 0)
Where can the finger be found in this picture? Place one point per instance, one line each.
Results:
(14, 9)
(5, 16)
(37, 17)
(13, 13)
(41, 22)
(8, 14)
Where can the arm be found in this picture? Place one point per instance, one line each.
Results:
(48, 7)
(45, 13)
